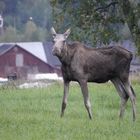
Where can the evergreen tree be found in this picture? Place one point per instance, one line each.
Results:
(30, 31)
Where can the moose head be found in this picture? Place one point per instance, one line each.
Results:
(59, 41)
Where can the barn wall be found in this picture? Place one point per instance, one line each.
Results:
(31, 64)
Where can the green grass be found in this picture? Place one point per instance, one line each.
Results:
(34, 114)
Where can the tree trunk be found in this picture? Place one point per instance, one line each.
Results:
(131, 10)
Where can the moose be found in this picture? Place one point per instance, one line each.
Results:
(99, 65)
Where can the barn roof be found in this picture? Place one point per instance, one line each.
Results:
(4, 48)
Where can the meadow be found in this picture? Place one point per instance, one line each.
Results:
(34, 114)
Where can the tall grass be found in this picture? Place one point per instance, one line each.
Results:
(34, 114)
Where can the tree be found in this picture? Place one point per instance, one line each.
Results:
(30, 31)
(33, 33)
(131, 11)
(91, 23)
(96, 21)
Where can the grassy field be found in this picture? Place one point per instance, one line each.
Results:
(34, 114)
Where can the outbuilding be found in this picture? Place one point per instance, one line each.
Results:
(25, 58)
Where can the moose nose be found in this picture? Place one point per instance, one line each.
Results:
(55, 51)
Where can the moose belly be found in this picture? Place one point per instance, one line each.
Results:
(99, 80)
(99, 77)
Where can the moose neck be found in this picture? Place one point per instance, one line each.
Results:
(66, 55)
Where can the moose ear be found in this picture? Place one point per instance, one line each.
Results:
(53, 32)
(67, 33)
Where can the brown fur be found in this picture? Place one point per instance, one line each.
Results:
(94, 65)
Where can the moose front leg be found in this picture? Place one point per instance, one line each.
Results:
(84, 89)
(65, 96)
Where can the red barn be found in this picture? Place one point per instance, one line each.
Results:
(23, 59)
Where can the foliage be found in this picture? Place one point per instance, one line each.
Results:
(99, 21)
(34, 114)
(89, 23)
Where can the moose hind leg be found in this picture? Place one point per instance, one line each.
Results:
(123, 106)
(123, 95)
(65, 96)
(132, 96)
(85, 93)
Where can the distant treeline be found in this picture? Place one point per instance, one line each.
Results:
(25, 20)
(92, 21)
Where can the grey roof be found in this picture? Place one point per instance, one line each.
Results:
(53, 60)
(4, 48)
